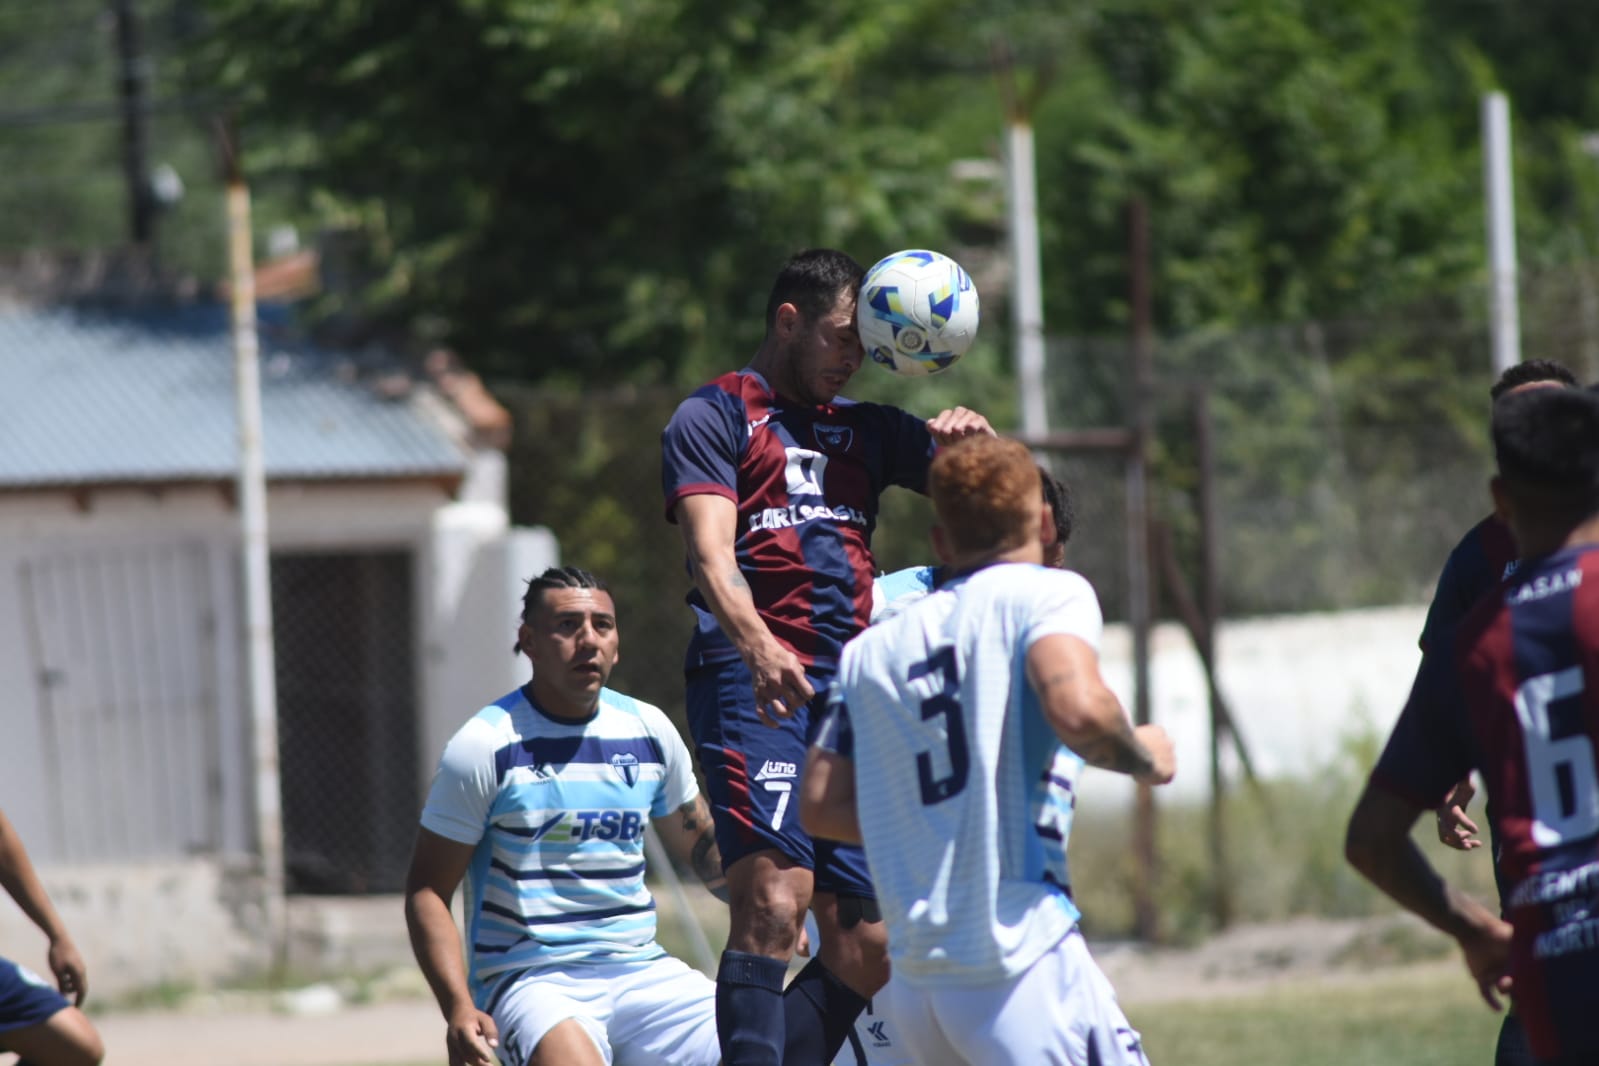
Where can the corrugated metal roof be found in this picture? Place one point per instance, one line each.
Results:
(90, 397)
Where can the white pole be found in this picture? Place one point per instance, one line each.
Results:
(257, 575)
(660, 864)
(1027, 302)
(1504, 313)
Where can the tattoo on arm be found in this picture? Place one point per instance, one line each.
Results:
(1119, 751)
(704, 856)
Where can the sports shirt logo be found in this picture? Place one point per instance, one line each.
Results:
(625, 763)
(773, 768)
(804, 471)
(879, 1038)
(835, 438)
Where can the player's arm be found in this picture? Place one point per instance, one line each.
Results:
(22, 883)
(827, 797)
(690, 838)
(1379, 846)
(710, 529)
(437, 866)
(1086, 715)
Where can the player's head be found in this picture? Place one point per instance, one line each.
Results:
(569, 634)
(1064, 512)
(1546, 447)
(810, 325)
(1532, 374)
(989, 500)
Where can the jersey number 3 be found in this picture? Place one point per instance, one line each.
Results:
(947, 707)
(1560, 770)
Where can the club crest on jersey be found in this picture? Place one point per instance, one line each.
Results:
(834, 438)
(625, 763)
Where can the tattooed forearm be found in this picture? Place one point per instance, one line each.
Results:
(704, 856)
(1119, 750)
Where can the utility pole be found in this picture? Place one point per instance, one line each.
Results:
(1027, 286)
(1139, 598)
(254, 544)
(132, 84)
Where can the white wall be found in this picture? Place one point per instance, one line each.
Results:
(1297, 684)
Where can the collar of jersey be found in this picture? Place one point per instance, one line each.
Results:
(527, 694)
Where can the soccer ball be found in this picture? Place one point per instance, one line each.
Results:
(917, 312)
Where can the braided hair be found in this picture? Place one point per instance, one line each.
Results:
(556, 577)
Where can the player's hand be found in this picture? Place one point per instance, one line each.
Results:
(472, 1038)
(1162, 752)
(1487, 953)
(1455, 829)
(781, 687)
(951, 425)
(67, 966)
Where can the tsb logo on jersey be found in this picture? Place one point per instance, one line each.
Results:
(622, 826)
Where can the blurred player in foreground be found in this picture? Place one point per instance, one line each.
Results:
(36, 1021)
(540, 803)
(953, 711)
(1519, 664)
(774, 480)
(1485, 556)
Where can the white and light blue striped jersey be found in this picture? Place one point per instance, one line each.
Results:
(963, 789)
(557, 811)
(892, 593)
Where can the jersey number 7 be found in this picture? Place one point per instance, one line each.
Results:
(947, 707)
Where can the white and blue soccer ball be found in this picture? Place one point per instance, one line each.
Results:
(917, 312)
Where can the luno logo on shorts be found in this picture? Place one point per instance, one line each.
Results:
(776, 768)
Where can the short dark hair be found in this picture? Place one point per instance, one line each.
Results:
(812, 281)
(1061, 504)
(1546, 444)
(556, 577)
(1527, 373)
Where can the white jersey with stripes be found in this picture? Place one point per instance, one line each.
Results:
(964, 791)
(557, 812)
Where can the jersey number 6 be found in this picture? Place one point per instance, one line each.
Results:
(1560, 770)
(945, 706)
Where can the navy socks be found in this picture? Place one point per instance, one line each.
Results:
(750, 1009)
(818, 1010)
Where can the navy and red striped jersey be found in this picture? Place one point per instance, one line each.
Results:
(806, 480)
(1520, 665)
(1485, 556)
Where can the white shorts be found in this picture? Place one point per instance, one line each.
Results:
(1061, 1012)
(656, 1013)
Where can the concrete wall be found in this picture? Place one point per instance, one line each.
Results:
(1298, 685)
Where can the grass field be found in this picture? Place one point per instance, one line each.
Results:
(1434, 1020)
(1398, 1019)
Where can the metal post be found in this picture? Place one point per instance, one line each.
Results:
(133, 73)
(1210, 611)
(1027, 288)
(1138, 557)
(1504, 312)
(254, 543)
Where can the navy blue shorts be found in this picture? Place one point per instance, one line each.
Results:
(752, 773)
(25, 997)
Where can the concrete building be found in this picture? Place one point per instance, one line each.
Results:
(127, 758)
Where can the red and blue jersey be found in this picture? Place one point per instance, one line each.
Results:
(806, 480)
(1520, 665)
(1485, 556)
